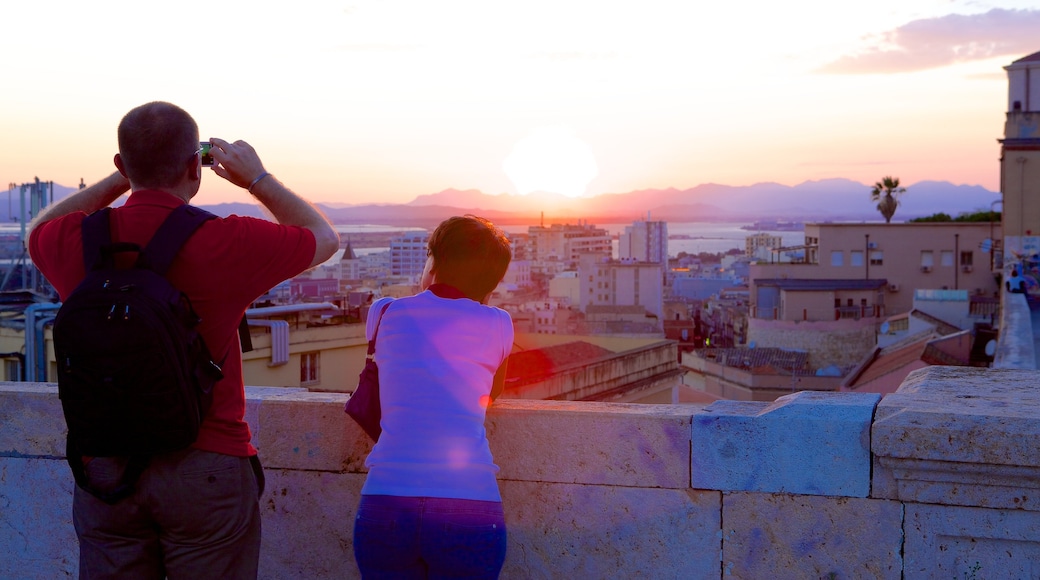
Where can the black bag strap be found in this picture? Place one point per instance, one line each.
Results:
(375, 333)
(96, 235)
(98, 248)
(171, 235)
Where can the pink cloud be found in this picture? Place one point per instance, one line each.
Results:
(938, 42)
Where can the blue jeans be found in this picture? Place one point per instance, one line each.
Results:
(429, 537)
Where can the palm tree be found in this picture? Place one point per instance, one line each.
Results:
(886, 193)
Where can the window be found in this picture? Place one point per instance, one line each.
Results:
(856, 258)
(927, 259)
(967, 258)
(12, 370)
(310, 365)
(877, 258)
(837, 258)
(946, 258)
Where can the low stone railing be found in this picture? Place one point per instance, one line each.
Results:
(939, 480)
(1015, 348)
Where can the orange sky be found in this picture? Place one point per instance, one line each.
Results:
(366, 101)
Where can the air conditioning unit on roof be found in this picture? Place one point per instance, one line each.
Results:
(926, 269)
(893, 287)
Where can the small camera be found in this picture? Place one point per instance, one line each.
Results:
(207, 158)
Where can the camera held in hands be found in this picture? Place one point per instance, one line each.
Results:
(204, 153)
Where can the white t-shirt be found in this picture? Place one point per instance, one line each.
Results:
(437, 358)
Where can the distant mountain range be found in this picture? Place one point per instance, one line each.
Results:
(831, 199)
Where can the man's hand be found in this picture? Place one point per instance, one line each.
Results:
(236, 162)
(88, 200)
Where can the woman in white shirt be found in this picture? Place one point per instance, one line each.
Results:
(430, 506)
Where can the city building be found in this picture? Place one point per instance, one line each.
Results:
(605, 282)
(558, 247)
(760, 245)
(408, 254)
(1020, 170)
(644, 241)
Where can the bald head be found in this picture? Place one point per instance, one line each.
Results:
(157, 141)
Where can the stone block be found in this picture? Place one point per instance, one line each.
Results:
(963, 542)
(589, 531)
(591, 443)
(960, 436)
(781, 536)
(32, 420)
(37, 539)
(310, 431)
(308, 521)
(807, 442)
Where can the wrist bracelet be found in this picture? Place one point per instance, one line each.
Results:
(257, 180)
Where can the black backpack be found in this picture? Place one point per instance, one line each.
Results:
(134, 375)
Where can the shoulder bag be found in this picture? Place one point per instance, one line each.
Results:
(363, 404)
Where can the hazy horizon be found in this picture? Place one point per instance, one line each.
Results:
(370, 102)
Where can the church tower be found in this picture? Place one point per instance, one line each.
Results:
(1020, 160)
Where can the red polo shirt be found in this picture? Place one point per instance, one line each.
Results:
(226, 265)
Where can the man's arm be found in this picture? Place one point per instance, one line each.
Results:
(88, 200)
(239, 164)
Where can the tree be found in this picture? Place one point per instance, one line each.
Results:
(886, 193)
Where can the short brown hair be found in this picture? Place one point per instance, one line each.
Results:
(471, 254)
(156, 141)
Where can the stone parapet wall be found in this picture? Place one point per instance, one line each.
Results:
(937, 480)
(1015, 348)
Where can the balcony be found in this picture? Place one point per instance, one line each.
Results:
(941, 479)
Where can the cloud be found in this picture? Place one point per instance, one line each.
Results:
(938, 42)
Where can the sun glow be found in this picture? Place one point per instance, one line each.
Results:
(551, 159)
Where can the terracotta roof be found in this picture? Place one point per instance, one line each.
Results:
(529, 366)
(760, 360)
(890, 361)
(942, 327)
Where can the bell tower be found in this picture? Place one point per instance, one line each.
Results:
(1020, 161)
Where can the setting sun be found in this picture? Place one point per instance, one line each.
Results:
(551, 159)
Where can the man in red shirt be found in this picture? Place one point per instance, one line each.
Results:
(194, 513)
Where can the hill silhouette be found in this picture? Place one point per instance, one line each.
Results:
(824, 200)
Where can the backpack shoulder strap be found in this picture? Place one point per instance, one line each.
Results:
(171, 235)
(96, 234)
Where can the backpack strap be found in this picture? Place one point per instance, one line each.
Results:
(96, 235)
(171, 235)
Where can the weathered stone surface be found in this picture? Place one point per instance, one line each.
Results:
(31, 421)
(1015, 349)
(300, 430)
(807, 442)
(591, 443)
(589, 531)
(960, 437)
(308, 521)
(971, 415)
(781, 536)
(952, 542)
(37, 539)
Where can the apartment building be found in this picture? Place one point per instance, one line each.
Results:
(857, 274)
(408, 254)
(564, 244)
(644, 241)
(605, 282)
